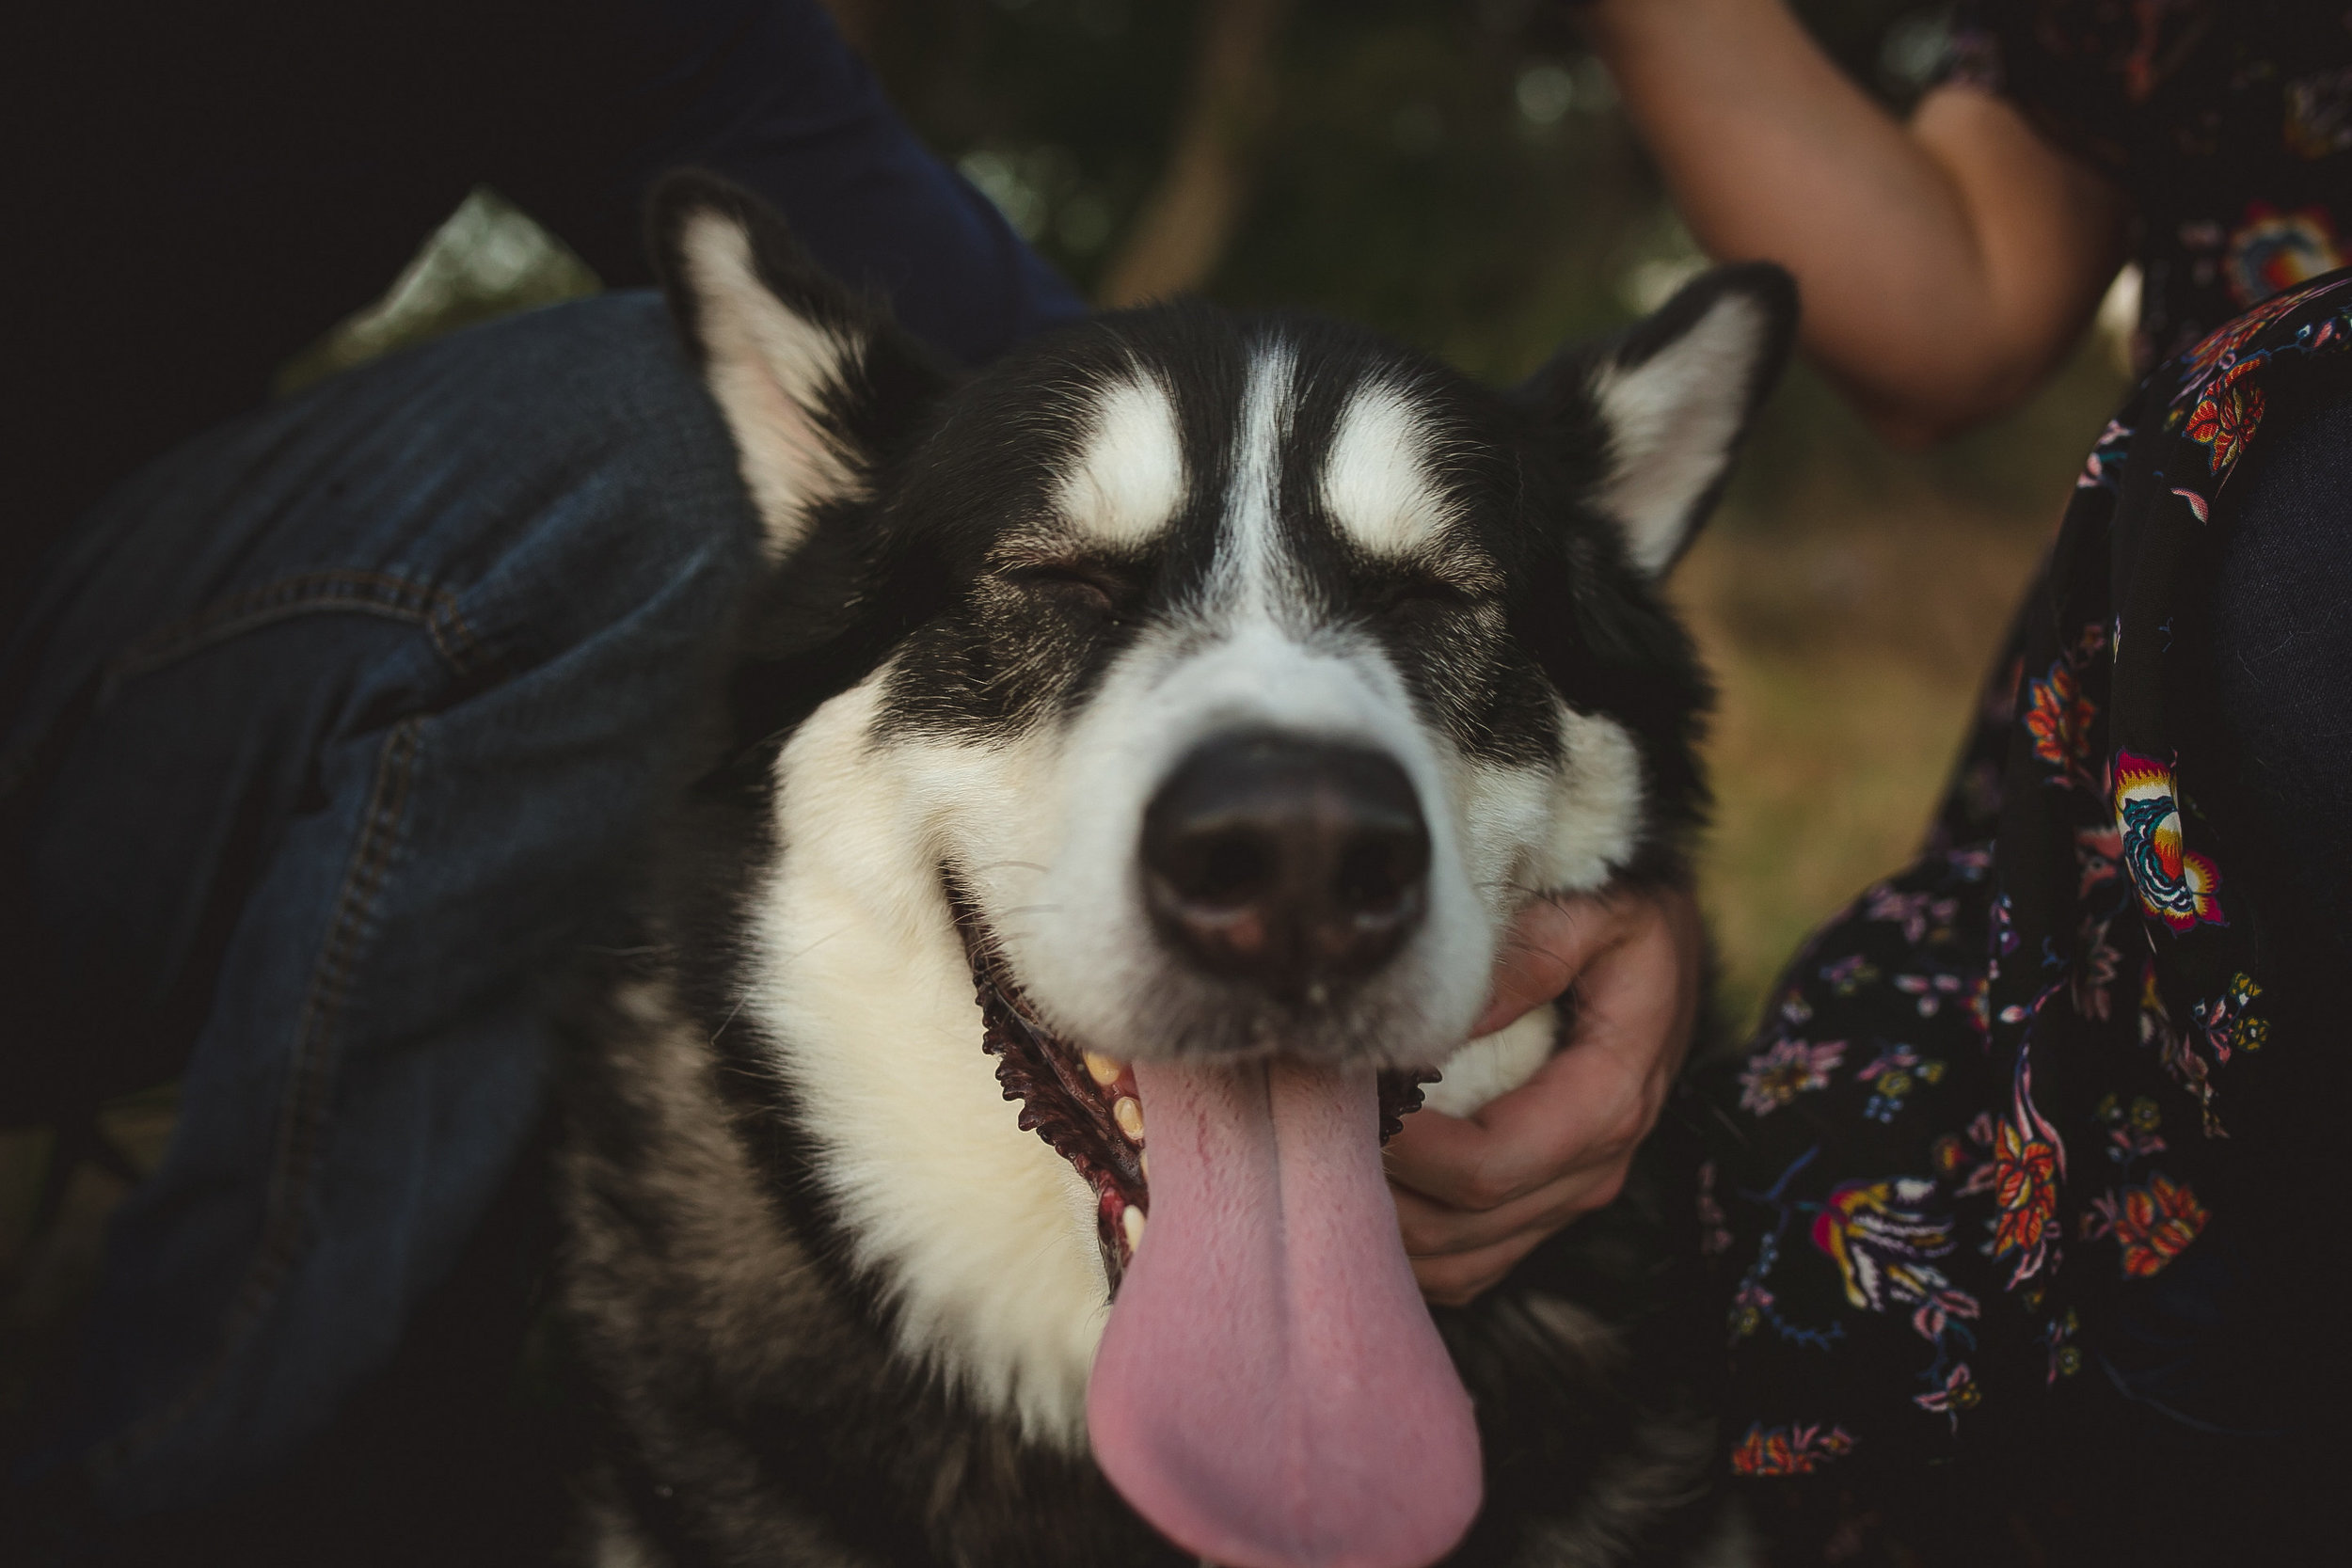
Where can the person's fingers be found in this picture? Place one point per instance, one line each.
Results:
(1549, 944)
(1474, 1194)
(1642, 992)
(1435, 1230)
(1593, 1101)
(1459, 1278)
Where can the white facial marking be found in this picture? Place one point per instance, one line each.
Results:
(1493, 1065)
(768, 368)
(1595, 805)
(1672, 420)
(978, 1235)
(1129, 481)
(1249, 564)
(1377, 481)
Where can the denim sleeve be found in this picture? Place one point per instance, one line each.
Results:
(767, 92)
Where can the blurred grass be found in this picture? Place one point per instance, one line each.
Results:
(1850, 606)
(1829, 747)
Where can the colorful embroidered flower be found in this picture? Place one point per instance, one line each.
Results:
(2176, 886)
(1938, 1307)
(1789, 1068)
(2227, 416)
(1790, 1451)
(2319, 114)
(1850, 974)
(1748, 1309)
(1915, 913)
(2108, 455)
(2274, 251)
(2227, 1021)
(1715, 1229)
(1892, 1073)
(2173, 1048)
(1960, 1392)
(1931, 992)
(2060, 718)
(2065, 1360)
(2027, 1161)
(1870, 1228)
(2131, 1134)
(2154, 1225)
(2096, 970)
(2098, 856)
(2220, 346)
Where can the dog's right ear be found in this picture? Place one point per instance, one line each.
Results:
(1653, 416)
(818, 384)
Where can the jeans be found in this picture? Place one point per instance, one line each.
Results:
(328, 736)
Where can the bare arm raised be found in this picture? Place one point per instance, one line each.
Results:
(1946, 264)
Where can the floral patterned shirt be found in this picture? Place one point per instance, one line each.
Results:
(2228, 124)
(2014, 1172)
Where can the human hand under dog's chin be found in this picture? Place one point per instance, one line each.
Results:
(1475, 1195)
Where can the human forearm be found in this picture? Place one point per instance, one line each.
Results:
(1945, 264)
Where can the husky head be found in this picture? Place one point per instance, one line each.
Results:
(1209, 692)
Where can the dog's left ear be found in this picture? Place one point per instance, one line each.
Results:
(818, 385)
(1654, 415)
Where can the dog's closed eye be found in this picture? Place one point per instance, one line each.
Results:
(1077, 587)
(1425, 597)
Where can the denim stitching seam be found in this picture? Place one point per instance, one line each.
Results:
(351, 591)
(294, 1163)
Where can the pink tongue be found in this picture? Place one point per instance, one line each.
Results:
(1270, 1392)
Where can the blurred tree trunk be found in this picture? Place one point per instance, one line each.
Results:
(1186, 222)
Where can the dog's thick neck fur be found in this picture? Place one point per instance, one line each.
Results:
(845, 1309)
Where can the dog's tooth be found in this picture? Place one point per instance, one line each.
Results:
(1128, 1111)
(1131, 1220)
(1147, 1164)
(1103, 1069)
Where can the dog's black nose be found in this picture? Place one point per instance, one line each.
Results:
(1291, 862)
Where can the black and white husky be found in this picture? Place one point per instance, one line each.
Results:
(1139, 749)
